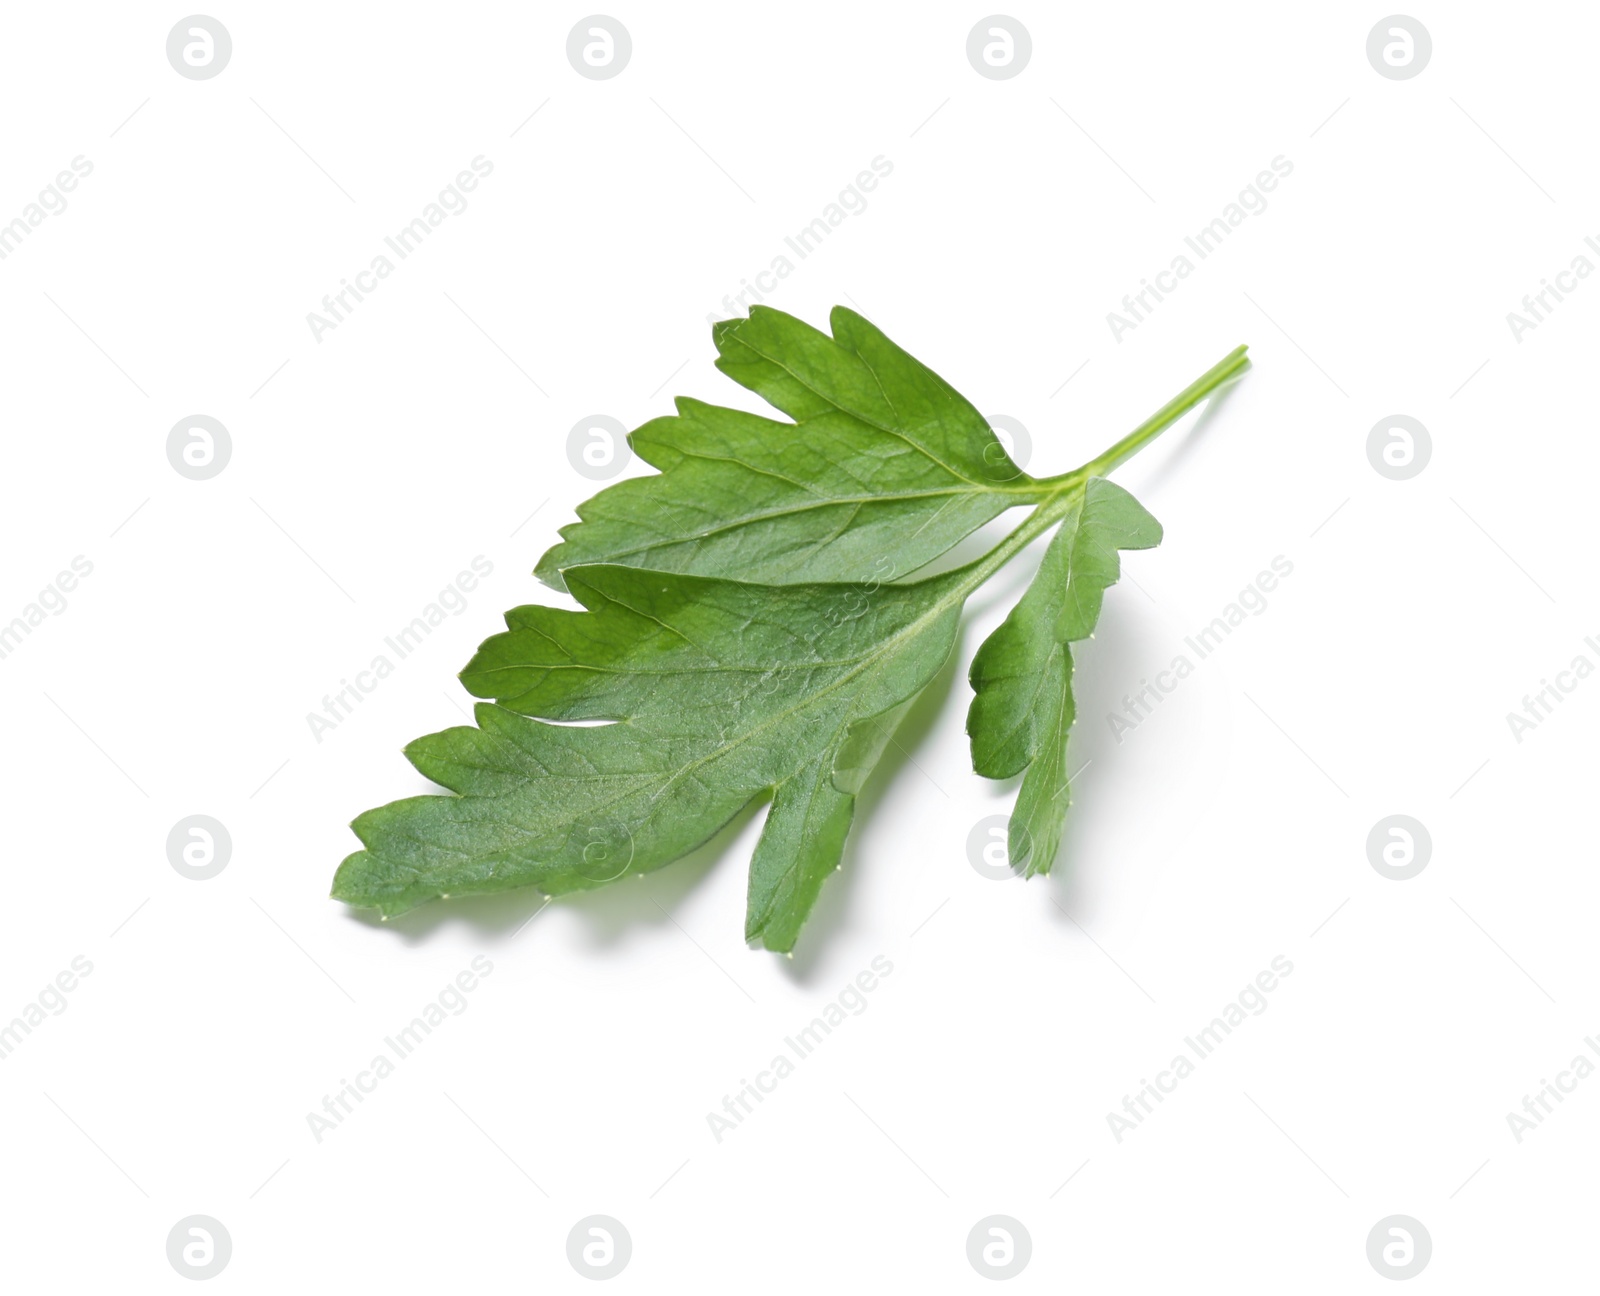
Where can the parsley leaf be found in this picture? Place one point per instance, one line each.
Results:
(1022, 675)
(720, 691)
(749, 629)
(883, 458)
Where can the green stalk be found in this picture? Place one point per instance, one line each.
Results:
(1232, 364)
(1065, 487)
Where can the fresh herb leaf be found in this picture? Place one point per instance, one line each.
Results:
(720, 691)
(1022, 675)
(740, 637)
(883, 458)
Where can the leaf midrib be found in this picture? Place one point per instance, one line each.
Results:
(1027, 492)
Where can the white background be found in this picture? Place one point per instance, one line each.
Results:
(371, 466)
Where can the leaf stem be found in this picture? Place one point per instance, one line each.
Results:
(1231, 365)
(1065, 488)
